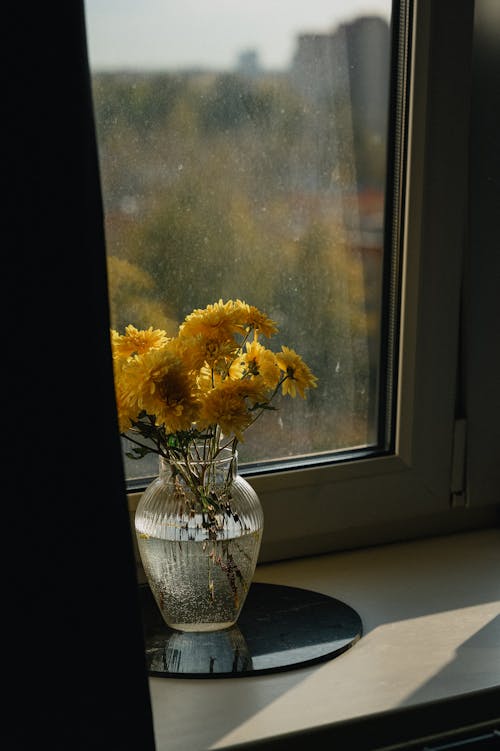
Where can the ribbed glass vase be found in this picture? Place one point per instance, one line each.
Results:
(199, 529)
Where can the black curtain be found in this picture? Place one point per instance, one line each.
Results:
(74, 641)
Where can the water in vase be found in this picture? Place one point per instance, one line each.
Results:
(200, 585)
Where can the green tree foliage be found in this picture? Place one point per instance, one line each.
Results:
(131, 101)
(132, 298)
(234, 102)
(219, 186)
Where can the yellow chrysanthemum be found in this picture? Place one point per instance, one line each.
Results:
(298, 375)
(260, 322)
(257, 361)
(208, 379)
(126, 410)
(214, 349)
(179, 404)
(159, 383)
(125, 414)
(220, 321)
(204, 376)
(136, 342)
(228, 405)
(208, 335)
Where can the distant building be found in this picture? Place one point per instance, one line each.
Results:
(350, 62)
(248, 63)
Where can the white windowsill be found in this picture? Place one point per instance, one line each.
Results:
(430, 612)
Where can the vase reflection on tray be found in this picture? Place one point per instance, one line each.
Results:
(208, 653)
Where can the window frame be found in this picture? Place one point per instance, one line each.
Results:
(404, 493)
(479, 397)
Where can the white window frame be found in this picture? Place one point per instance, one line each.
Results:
(408, 493)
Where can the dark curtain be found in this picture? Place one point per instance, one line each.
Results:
(73, 633)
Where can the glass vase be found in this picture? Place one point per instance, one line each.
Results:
(199, 529)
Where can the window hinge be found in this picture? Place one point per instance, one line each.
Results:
(458, 496)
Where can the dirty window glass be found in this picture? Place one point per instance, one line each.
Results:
(242, 151)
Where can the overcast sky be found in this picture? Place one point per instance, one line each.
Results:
(169, 34)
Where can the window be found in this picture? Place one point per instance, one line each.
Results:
(373, 449)
(255, 173)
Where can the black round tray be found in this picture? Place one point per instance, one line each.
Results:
(280, 628)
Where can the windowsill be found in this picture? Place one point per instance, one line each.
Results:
(431, 630)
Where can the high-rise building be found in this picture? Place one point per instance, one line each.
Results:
(349, 64)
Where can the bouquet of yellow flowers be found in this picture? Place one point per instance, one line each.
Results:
(206, 385)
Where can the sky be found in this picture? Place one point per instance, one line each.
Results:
(176, 34)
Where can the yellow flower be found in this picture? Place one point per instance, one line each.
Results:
(208, 379)
(179, 404)
(260, 323)
(208, 335)
(228, 405)
(125, 414)
(125, 410)
(298, 375)
(214, 349)
(220, 321)
(159, 383)
(136, 342)
(204, 377)
(257, 361)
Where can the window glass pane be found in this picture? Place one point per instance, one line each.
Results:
(243, 155)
